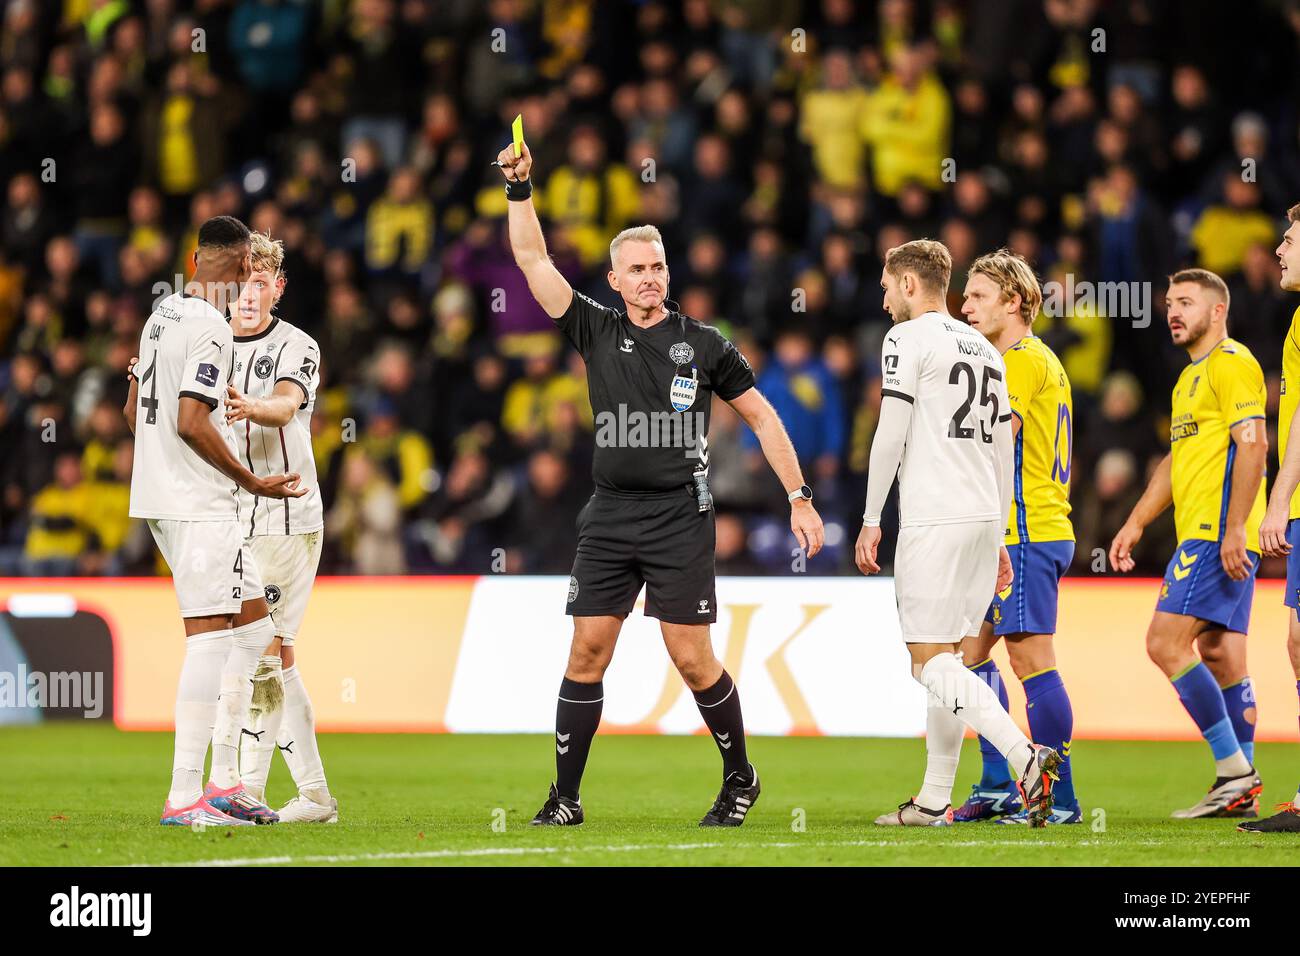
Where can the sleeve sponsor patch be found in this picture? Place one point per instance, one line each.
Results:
(206, 374)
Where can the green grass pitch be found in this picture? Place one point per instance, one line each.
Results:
(80, 794)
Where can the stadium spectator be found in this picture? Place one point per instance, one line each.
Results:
(58, 533)
(906, 121)
(806, 396)
(1225, 230)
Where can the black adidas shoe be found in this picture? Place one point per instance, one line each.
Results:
(735, 800)
(1286, 820)
(559, 811)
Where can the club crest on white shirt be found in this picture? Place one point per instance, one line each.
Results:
(262, 367)
(683, 391)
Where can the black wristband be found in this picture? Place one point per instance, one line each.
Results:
(519, 191)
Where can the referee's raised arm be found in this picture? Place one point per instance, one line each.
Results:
(551, 290)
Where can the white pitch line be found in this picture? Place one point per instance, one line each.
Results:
(623, 848)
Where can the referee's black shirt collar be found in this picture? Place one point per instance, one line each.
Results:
(671, 309)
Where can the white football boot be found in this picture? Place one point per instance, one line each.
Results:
(912, 814)
(303, 809)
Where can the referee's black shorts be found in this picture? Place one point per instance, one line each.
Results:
(660, 540)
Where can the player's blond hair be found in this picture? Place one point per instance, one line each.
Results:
(265, 254)
(926, 259)
(1293, 214)
(636, 234)
(1011, 273)
(1206, 280)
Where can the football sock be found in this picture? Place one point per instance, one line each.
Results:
(297, 739)
(256, 748)
(577, 715)
(249, 641)
(1296, 802)
(1199, 692)
(1239, 701)
(971, 701)
(995, 772)
(196, 711)
(943, 735)
(720, 707)
(1051, 723)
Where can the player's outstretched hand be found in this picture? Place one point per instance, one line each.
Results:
(864, 552)
(1232, 554)
(806, 524)
(282, 486)
(1272, 535)
(1121, 549)
(1005, 573)
(238, 405)
(515, 168)
(130, 368)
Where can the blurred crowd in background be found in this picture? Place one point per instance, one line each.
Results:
(780, 146)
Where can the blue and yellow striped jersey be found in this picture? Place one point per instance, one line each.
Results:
(1040, 397)
(1290, 396)
(1213, 394)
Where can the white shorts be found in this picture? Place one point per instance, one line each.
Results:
(944, 576)
(213, 571)
(287, 563)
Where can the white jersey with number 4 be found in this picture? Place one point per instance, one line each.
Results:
(186, 350)
(279, 353)
(956, 382)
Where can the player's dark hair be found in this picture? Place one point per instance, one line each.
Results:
(1205, 279)
(222, 232)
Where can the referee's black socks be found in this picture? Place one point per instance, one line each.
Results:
(577, 715)
(720, 707)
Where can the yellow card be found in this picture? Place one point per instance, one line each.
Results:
(518, 129)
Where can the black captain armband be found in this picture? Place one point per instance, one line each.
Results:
(519, 191)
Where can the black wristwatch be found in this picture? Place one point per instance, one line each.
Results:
(803, 491)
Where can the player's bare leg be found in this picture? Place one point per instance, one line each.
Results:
(958, 695)
(577, 715)
(718, 698)
(1172, 642)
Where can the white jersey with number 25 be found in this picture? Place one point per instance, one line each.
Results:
(956, 382)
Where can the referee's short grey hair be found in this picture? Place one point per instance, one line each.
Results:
(636, 234)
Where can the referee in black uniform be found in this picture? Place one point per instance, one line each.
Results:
(651, 375)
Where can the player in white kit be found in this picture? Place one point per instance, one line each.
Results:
(184, 483)
(269, 403)
(945, 429)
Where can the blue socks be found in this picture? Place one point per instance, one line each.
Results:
(1200, 694)
(1051, 723)
(996, 774)
(1239, 701)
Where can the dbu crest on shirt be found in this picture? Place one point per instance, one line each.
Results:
(682, 394)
